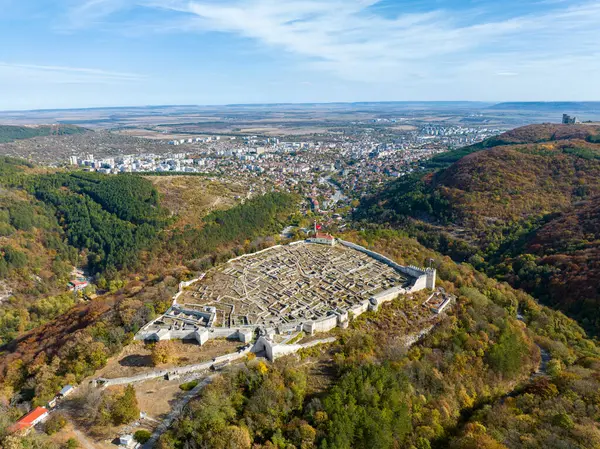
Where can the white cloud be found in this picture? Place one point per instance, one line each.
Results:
(60, 74)
(348, 39)
(351, 40)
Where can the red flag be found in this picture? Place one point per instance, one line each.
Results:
(319, 227)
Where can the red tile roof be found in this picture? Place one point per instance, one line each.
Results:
(78, 282)
(27, 421)
(321, 235)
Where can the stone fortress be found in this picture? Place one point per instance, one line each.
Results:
(312, 286)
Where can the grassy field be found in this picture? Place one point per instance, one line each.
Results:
(193, 197)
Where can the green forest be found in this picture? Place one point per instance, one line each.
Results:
(112, 219)
(440, 393)
(10, 133)
(111, 225)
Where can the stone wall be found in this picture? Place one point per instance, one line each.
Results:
(321, 325)
(274, 350)
(243, 256)
(183, 285)
(386, 296)
(423, 278)
(173, 373)
(359, 309)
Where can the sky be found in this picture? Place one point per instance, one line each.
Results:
(95, 53)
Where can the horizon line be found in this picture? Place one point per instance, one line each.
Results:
(149, 106)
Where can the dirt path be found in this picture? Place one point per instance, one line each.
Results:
(85, 442)
(177, 410)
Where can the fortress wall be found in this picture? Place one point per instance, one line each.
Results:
(342, 317)
(133, 379)
(359, 309)
(290, 327)
(406, 270)
(299, 242)
(222, 358)
(413, 271)
(424, 278)
(229, 332)
(232, 356)
(420, 284)
(201, 335)
(274, 350)
(387, 295)
(431, 278)
(181, 335)
(204, 366)
(321, 325)
(253, 254)
(186, 284)
(281, 350)
(144, 335)
(191, 368)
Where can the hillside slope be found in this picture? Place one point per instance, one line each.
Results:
(507, 205)
(383, 395)
(560, 263)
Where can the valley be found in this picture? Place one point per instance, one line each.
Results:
(413, 314)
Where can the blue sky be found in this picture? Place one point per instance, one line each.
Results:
(86, 53)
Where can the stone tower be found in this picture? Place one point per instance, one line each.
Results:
(431, 274)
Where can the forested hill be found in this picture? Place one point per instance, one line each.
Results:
(484, 203)
(10, 133)
(526, 173)
(111, 226)
(116, 227)
(560, 263)
(471, 374)
(51, 223)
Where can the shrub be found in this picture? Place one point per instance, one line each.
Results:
(142, 436)
(72, 443)
(188, 386)
(120, 408)
(55, 423)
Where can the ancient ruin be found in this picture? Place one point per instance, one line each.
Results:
(309, 286)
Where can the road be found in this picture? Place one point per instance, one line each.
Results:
(337, 196)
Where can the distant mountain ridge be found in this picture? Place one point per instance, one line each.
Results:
(557, 106)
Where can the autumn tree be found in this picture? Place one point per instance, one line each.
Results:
(162, 353)
(119, 408)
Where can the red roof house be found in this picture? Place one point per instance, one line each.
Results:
(35, 416)
(322, 235)
(78, 285)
